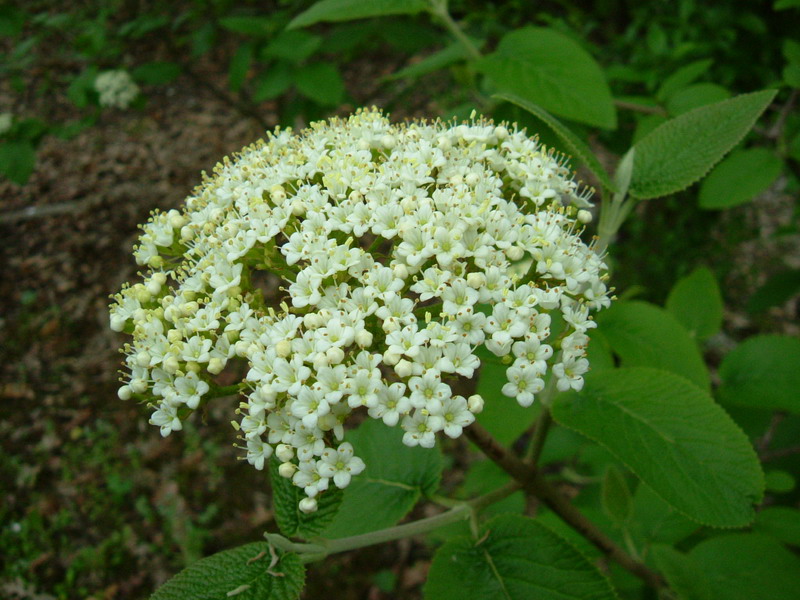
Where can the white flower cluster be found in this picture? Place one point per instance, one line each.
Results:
(401, 251)
(116, 88)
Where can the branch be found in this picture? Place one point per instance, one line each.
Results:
(536, 485)
(642, 108)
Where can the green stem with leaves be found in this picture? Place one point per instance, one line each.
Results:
(322, 548)
(438, 9)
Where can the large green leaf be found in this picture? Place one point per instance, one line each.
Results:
(674, 437)
(348, 10)
(739, 178)
(615, 495)
(683, 150)
(291, 520)
(763, 372)
(695, 301)
(243, 573)
(320, 82)
(644, 335)
(780, 522)
(515, 558)
(746, 566)
(653, 520)
(573, 143)
(685, 578)
(393, 481)
(549, 69)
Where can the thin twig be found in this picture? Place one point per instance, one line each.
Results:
(642, 108)
(762, 444)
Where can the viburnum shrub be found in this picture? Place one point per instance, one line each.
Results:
(368, 288)
(360, 266)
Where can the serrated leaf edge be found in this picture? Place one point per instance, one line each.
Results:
(642, 481)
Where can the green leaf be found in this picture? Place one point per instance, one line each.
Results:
(433, 62)
(572, 142)
(252, 25)
(239, 66)
(694, 96)
(654, 521)
(291, 520)
(615, 495)
(682, 77)
(81, 88)
(156, 73)
(17, 160)
(681, 151)
(791, 75)
(243, 573)
(387, 489)
(776, 291)
(695, 301)
(320, 82)
(739, 178)
(673, 436)
(763, 372)
(549, 69)
(780, 522)
(294, 46)
(745, 566)
(348, 10)
(644, 335)
(784, 4)
(515, 558)
(273, 82)
(791, 50)
(685, 578)
(779, 482)
(505, 419)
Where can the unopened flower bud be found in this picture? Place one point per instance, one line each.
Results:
(143, 358)
(515, 253)
(283, 348)
(308, 505)
(215, 365)
(584, 216)
(284, 453)
(475, 404)
(124, 393)
(391, 358)
(335, 355)
(364, 339)
(476, 280)
(287, 469)
(404, 368)
(171, 364)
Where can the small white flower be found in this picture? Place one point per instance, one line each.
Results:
(340, 465)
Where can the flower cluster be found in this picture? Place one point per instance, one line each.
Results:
(116, 88)
(362, 265)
